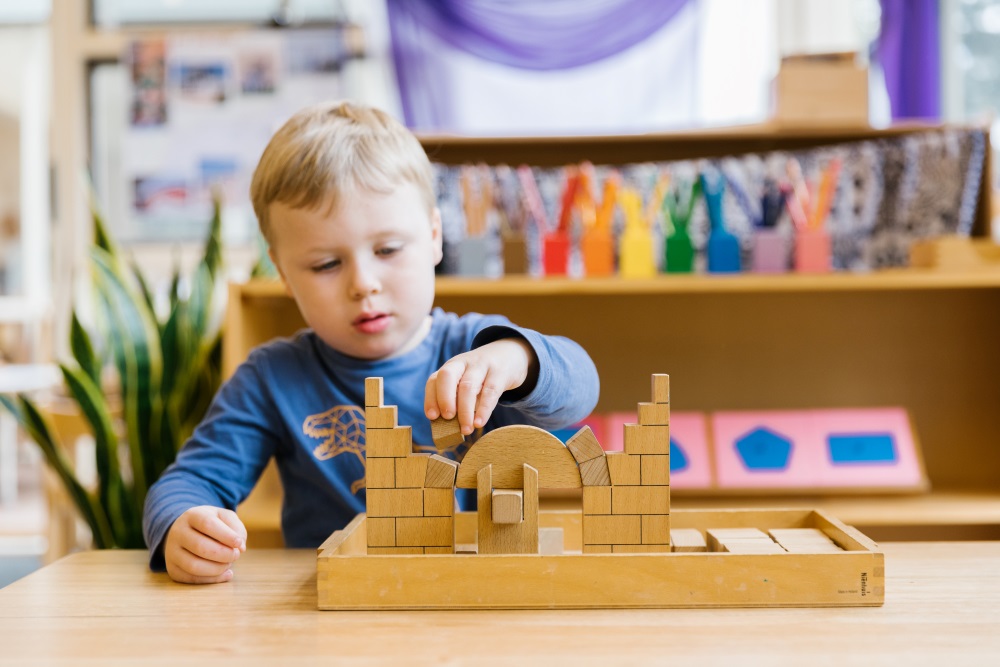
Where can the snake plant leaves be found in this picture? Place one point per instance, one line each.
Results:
(83, 350)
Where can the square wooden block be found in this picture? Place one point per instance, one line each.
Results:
(384, 417)
(597, 500)
(411, 470)
(439, 502)
(655, 469)
(380, 473)
(624, 469)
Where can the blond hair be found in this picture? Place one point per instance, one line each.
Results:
(330, 148)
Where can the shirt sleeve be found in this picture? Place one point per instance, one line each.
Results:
(567, 387)
(220, 463)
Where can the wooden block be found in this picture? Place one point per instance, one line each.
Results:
(804, 548)
(612, 529)
(656, 529)
(654, 414)
(584, 446)
(550, 541)
(640, 500)
(439, 550)
(373, 392)
(446, 433)
(411, 471)
(507, 506)
(388, 442)
(381, 532)
(520, 538)
(508, 449)
(395, 502)
(595, 472)
(439, 502)
(752, 547)
(596, 548)
(435, 531)
(640, 548)
(597, 500)
(380, 473)
(394, 551)
(624, 469)
(641, 439)
(799, 535)
(440, 472)
(718, 536)
(655, 469)
(661, 388)
(687, 540)
(384, 417)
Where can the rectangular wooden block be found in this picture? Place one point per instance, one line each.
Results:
(661, 388)
(550, 541)
(752, 547)
(436, 531)
(439, 502)
(640, 500)
(395, 502)
(380, 417)
(719, 536)
(394, 551)
(640, 548)
(584, 446)
(641, 439)
(380, 473)
(373, 392)
(508, 506)
(388, 442)
(799, 536)
(595, 472)
(446, 433)
(687, 540)
(654, 414)
(440, 472)
(624, 469)
(439, 550)
(656, 529)
(381, 532)
(411, 471)
(655, 469)
(596, 548)
(611, 529)
(597, 500)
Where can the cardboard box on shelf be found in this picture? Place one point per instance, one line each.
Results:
(821, 89)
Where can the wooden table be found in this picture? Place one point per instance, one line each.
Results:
(100, 608)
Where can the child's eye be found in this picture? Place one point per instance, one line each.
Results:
(326, 266)
(385, 251)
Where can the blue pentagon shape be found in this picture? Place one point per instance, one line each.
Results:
(763, 449)
(678, 459)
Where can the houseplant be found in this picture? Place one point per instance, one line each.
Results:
(165, 371)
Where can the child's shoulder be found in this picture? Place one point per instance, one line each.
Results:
(300, 344)
(451, 325)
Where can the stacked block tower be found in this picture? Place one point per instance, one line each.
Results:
(626, 495)
(410, 503)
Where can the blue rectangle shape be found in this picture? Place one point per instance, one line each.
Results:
(855, 448)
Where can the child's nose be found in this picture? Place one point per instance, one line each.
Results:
(364, 281)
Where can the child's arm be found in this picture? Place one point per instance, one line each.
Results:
(469, 385)
(202, 544)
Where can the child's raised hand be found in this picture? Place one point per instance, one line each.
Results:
(202, 544)
(469, 385)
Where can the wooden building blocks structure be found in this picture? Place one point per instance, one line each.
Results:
(411, 549)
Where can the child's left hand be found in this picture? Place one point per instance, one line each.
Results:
(469, 385)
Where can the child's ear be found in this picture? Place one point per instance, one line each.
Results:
(437, 235)
(274, 260)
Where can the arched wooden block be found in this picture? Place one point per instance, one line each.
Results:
(508, 448)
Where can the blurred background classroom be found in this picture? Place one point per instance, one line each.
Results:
(799, 194)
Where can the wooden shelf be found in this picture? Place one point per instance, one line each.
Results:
(898, 279)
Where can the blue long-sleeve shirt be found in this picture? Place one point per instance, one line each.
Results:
(302, 402)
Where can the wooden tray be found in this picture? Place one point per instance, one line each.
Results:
(348, 578)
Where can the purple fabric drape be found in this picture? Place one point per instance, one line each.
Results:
(526, 34)
(909, 51)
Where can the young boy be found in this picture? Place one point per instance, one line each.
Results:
(344, 197)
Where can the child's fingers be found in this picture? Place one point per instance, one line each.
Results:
(229, 518)
(489, 396)
(431, 408)
(188, 568)
(209, 523)
(469, 390)
(184, 578)
(446, 386)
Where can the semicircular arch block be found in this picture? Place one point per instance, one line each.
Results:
(508, 448)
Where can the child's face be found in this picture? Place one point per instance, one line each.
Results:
(363, 274)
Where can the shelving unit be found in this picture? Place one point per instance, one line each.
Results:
(924, 340)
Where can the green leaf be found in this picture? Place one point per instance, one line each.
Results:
(36, 426)
(147, 295)
(94, 407)
(135, 344)
(83, 350)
